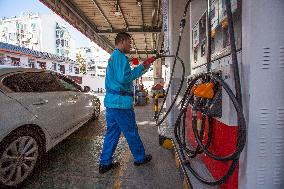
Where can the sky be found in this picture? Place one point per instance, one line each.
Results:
(10, 8)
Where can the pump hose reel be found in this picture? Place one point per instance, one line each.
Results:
(197, 104)
(202, 101)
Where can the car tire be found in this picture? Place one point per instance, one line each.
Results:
(20, 153)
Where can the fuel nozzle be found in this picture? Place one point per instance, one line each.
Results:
(204, 90)
(161, 54)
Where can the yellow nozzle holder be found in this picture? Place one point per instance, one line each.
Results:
(156, 103)
(204, 90)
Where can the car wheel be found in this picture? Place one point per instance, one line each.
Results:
(96, 112)
(19, 154)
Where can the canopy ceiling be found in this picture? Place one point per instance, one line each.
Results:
(100, 20)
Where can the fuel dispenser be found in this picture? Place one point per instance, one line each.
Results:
(233, 60)
(219, 115)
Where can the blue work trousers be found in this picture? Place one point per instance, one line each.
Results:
(121, 120)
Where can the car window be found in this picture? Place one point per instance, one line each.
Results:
(16, 83)
(42, 81)
(67, 84)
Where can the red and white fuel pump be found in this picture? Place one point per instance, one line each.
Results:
(259, 40)
(232, 113)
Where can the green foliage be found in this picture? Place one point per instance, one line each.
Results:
(82, 63)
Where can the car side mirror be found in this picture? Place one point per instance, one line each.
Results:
(87, 89)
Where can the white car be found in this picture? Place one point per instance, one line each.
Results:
(38, 109)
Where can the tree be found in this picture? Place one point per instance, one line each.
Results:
(82, 63)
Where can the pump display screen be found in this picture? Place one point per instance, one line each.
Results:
(220, 42)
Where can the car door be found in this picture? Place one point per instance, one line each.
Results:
(83, 103)
(41, 94)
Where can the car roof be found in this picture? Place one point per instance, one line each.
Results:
(10, 69)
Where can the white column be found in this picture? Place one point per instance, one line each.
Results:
(176, 9)
(262, 162)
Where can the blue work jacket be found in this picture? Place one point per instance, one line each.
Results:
(119, 77)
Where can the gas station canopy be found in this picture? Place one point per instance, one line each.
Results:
(101, 20)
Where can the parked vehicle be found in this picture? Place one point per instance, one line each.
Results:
(38, 109)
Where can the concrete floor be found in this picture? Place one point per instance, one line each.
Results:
(73, 163)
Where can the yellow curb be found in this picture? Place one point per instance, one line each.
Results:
(184, 184)
(177, 160)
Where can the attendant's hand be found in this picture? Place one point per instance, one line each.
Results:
(147, 63)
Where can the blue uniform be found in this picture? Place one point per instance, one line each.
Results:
(120, 114)
(119, 77)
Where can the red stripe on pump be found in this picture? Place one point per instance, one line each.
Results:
(223, 143)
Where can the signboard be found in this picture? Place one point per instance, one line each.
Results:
(165, 8)
(222, 8)
(214, 14)
(195, 35)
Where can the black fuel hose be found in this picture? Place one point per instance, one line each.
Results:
(237, 102)
(159, 122)
(182, 25)
(185, 150)
(199, 136)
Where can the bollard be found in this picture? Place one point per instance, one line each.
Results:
(156, 103)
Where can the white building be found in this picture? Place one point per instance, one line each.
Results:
(12, 55)
(96, 59)
(46, 32)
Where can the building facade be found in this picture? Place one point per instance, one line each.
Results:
(46, 33)
(96, 59)
(12, 55)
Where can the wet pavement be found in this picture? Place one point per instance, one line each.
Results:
(74, 162)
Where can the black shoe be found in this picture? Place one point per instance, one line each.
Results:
(105, 168)
(148, 158)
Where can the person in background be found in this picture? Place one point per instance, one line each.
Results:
(120, 116)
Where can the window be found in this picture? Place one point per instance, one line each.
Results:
(42, 81)
(57, 42)
(42, 65)
(57, 26)
(54, 66)
(67, 84)
(70, 68)
(76, 70)
(31, 63)
(57, 33)
(101, 67)
(16, 83)
(15, 61)
(2, 59)
(62, 69)
(18, 26)
(12, 36)
(33, 26)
